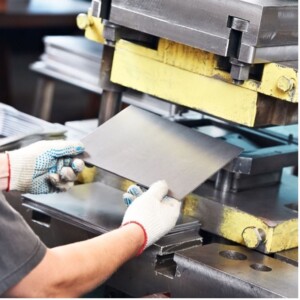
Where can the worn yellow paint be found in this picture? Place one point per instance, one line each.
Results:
(134, 69)
(204, 63)
(273, 72)
(87, 175)
(125, 184)
(231, 223)
(251, 237)
(280, 236)
(285, 236)
(94, 31)
(187, 58)
(190, 205)
(190, 77)
(234, 222)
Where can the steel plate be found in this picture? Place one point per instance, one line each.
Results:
(144, 147)
(98, 208)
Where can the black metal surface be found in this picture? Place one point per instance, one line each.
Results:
(105, 9)
(144, 147)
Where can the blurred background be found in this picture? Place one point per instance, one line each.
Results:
(23, 24)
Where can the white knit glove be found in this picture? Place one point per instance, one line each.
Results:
(45, 166)
(152, 210)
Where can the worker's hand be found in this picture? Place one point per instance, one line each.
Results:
(155, 213)
(45, 166)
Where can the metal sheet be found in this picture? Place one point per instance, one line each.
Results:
(98, 208)
(144, 147)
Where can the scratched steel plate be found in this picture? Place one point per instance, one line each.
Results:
(144, 148)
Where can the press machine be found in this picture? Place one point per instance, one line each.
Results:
(245, 51)
(233, 60)
(237, 63)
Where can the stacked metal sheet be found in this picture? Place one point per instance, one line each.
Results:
(16, 126)
(69, 54)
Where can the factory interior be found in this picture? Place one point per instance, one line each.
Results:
(200, 94)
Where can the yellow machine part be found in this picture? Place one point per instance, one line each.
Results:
(189, 77)
(247, 229)
(277, 80)
(93, 27)
(87, 175)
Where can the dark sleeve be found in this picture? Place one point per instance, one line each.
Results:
(20, 248)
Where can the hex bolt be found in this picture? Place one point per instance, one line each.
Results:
(253, 236)
(83, 21)
(285, 84)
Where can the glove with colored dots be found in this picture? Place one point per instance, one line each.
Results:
(152, 210)
(45, 166)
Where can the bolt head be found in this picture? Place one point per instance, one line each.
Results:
(83, 21)
(285, 84)
(252, 237)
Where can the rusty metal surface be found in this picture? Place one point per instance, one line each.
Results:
(144, 147)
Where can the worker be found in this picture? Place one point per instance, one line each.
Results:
(28, 268)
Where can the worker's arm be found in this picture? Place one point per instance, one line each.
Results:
(42, 167)
(75, 269)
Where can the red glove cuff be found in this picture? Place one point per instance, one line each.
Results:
(145, 236)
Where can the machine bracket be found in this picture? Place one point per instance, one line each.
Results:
(239, 70)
